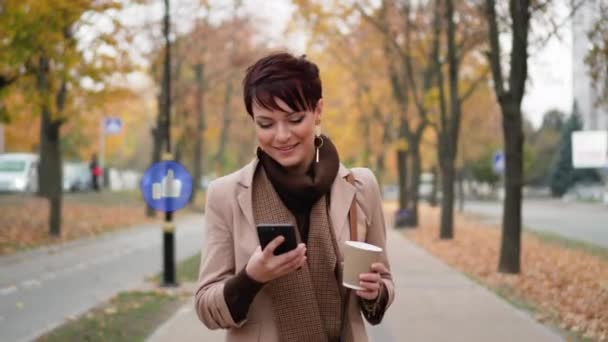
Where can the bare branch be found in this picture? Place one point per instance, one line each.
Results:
(382, 27)
(478, 81)
(555, 26)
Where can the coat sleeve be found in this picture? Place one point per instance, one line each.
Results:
(376, 235)
(217, 263)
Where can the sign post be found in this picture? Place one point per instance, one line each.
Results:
(169, 278)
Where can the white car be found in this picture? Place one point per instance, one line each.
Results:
(18, 172)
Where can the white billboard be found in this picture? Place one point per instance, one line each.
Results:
(590, 149)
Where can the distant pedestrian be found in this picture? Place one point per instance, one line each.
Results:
(95, 172)
(296, 178)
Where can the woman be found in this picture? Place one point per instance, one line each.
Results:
(297, 177)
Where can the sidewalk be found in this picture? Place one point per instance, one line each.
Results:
(433, 303)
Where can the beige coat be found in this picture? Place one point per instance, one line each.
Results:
(231, 238)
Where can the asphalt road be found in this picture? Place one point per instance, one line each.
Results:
(41, 289)
(586, 222)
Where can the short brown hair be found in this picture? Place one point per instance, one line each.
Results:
(293, 80)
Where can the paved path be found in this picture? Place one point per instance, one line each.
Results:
(433, 303)
(579, 221)
(41, 288)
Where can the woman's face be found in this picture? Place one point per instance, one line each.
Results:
(287, 136)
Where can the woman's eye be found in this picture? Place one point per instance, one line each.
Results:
(264, 125)
(297, 120)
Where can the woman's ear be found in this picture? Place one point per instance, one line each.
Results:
(319, 110)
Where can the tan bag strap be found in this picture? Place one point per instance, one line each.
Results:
(352, 213)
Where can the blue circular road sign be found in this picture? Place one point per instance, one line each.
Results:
(166, 186)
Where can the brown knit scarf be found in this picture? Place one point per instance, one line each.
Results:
(307, 303)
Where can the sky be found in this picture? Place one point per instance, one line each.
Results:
(550, 71)
(549, 81)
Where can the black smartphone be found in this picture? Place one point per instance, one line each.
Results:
(268, 232)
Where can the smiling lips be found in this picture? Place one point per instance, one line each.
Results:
(286, 149)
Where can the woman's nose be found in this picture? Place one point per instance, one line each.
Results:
(283, 133)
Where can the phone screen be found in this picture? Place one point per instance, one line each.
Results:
(268, 232)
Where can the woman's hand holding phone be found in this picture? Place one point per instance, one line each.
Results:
(264, 266)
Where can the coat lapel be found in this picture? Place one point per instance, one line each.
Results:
(342, 195)
(244, 196)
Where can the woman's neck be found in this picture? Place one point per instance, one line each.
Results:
(302, 168)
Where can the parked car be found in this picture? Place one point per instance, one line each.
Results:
(18, 172)
(76, 176)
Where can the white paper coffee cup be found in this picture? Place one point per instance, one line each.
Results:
(358, 259)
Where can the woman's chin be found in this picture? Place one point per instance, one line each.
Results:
(287, 162)
(291, 162)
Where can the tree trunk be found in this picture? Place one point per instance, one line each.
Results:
(510, 105)
(227, 119)
(461, 199)
(200, 129)
(511, 220)
(447, 201)
(50, 171)
(402, 175)
(446, 228)
(450, 128)
(415, 179)
(42, 85)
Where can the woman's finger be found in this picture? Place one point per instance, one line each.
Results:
(289, 256)
(288, 263)
(373, 277)
(379, 267)
(370, 286)
(272, 245)
(291, 266)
